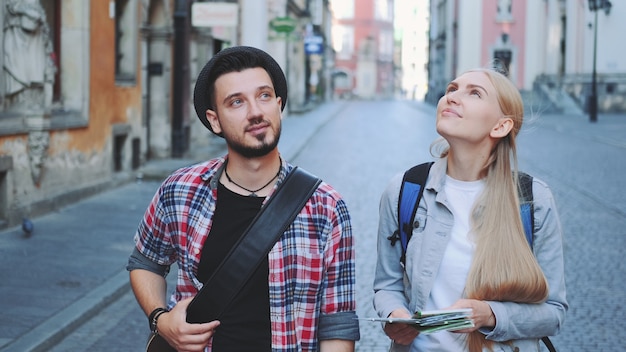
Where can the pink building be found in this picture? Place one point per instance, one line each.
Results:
(553, 50)
(362, 37)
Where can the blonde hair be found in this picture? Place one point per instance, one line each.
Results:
(504, 267)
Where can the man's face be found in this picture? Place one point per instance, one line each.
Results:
(247, 112)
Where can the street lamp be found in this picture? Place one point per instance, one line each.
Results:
(594, 6)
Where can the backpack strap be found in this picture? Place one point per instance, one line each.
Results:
(411, 192)
(527, 209)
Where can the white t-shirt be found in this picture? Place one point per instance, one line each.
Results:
(450, 281)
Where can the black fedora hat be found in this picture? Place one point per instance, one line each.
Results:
(237, 55)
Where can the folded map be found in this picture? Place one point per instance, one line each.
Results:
(434, 320)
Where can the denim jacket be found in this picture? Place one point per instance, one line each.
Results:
(394, 287)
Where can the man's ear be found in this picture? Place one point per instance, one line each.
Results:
(280, 105)
(211, 116)
(502, 127)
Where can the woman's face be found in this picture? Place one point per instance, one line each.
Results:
(469, 111)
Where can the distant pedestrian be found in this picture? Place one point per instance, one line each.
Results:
(301, 297)
(468, 248)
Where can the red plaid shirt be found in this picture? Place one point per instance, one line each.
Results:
(311, 267)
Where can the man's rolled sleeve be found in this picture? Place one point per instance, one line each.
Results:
(340, 326)
(139, 261)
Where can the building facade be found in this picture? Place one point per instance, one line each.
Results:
(412, 24)
(545, 46)
(71, 103)
(91, 90)
(363, 41)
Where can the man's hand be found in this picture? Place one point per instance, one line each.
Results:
(185, 337)
(482, 315)
(402, 334)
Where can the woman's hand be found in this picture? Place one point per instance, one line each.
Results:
(482, 315)
(402, 334)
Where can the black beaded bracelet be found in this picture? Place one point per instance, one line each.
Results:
(152, 318)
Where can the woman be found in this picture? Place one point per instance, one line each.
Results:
(469, 250)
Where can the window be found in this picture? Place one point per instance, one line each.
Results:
(343, 41)
(442, 18)
(53, 15)
(126, 34)
(502, 61)
(343, 9)
(385, 45)
(383, 10)
(504, 11)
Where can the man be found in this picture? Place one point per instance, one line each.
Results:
(301, 298)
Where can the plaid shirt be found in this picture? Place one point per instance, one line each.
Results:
(311, 267)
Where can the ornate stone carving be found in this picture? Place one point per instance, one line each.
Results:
(38, 142)
(28, 56)
(29, 69)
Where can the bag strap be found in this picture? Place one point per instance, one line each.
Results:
(254, 245)
(546, 341)
(411, 192)
(526, 205)
(527, 211)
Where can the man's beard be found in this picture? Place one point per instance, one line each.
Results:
(257, 151)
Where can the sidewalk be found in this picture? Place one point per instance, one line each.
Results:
(608, 129)
(73, 265)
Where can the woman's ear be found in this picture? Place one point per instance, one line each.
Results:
(502, 127)
(211, 116)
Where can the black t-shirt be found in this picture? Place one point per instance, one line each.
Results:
(245, 325)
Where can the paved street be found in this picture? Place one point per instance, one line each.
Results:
(66, 286)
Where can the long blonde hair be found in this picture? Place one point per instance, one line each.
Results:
(504, 267)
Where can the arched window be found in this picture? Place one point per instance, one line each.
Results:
(126, 34)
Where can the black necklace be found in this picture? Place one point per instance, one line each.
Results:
(252, 192)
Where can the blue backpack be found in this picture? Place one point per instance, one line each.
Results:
(411, 192)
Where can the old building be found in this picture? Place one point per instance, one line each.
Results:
(71, 104)
(411, 26)
(92, 90)
(363, 40)
(550, 49)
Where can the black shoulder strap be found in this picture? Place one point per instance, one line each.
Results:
(526, 205)
(270, 223)
(411, 192)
